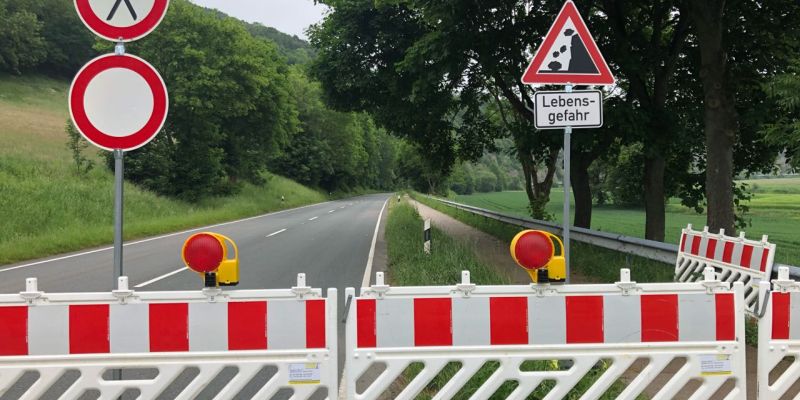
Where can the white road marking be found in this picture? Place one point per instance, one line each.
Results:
(331, 211)
(368, 269)
(275, 233)
(167, 275)
(156, 238)
(311, 219)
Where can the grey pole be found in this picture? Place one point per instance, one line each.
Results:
(566, 221)
(118, 165)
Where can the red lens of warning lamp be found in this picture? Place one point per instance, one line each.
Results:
(203, 253)
(532, 249)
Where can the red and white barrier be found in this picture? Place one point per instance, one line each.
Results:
(292, 330)
(735, 259)
(779, 337)
(702, 322)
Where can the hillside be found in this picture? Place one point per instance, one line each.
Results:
(48, 208)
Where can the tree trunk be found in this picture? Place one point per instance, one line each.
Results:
(721, 119)
(581, 189)
(654, 205)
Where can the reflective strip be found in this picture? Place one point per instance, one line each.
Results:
(755, 261)
(508, 320)
(697, 315)
(433, 322)
(736, 259)
(247, 325)
(286, 324)
(711, 248)
(622, 322)
(659, 317)
(780, 315)
(726, 316)
(13, 331)
(548, 320)
(129, 328)
(88, 329)
(747, 256)
(315, 324)
(471, 321)
(720, 252)
(48, 330)
(584, 319)
(703, 246)
(794, 323)
(365, 323)
(169, 330)
(394, 321)
(683, 247)
(208, 327)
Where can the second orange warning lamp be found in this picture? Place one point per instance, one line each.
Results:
(536, 252)
(207, 254)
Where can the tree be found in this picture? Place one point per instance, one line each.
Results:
(21, 44)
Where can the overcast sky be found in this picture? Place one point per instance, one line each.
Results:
(288, 16)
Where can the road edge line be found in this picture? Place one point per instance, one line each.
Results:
(368, 269)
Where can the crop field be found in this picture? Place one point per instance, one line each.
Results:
(774, 211)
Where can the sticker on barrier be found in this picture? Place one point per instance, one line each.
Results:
(735, 259)
(779, 338)
(228, 344)
(545, 340)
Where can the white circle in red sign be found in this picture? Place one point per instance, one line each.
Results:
(118, 102)
(124, 20)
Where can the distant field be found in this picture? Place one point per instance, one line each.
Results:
(774, 210)
(47, 208)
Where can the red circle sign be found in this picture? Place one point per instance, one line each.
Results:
(203, 253)
(121, 20)
(118, 102)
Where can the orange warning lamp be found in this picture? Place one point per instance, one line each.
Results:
(207, 254)
(536, 252)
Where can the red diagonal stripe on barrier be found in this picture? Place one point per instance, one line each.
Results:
(315, 324)
(696, 244)
(88, 329)
(247, 325)
(169, 329)
(764, 259)
(660, 318)
(365, 323)
(747, 255)
(508, 320)
(711, 248)
(584, 319)
(727, 252)
(726, 316)
(433, 322)
(780, 315)
(14, 331)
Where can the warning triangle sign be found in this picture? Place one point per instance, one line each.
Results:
(568, 54)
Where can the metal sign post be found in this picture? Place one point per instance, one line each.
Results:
(118, 201)
(566, 222)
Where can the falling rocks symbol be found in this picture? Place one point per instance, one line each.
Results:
(580, 60)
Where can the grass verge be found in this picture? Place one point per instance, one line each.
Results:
(409, 266)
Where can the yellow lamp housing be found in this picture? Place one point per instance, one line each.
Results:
(228, 270)
(557, 267)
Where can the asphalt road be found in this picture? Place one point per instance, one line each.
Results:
(330, 242)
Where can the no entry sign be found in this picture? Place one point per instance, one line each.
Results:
(121, 20)
(118, 102)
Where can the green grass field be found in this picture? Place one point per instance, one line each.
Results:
(47, 208)
(774, 210)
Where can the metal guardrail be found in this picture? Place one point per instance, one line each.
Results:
(649, 249)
